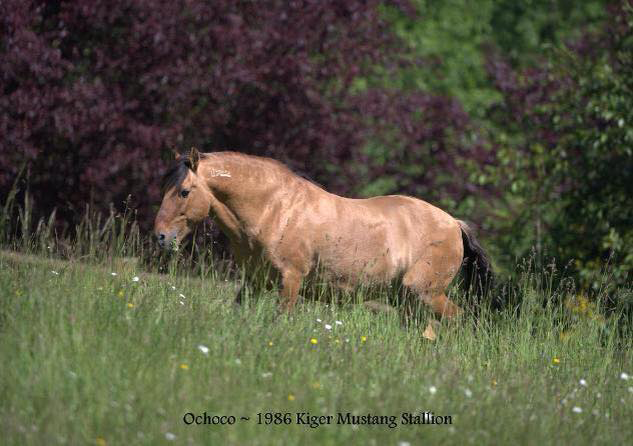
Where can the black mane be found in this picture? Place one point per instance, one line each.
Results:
(177, 172)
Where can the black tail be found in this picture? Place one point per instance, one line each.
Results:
(478, 275)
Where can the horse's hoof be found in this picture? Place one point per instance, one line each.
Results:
(430, 330)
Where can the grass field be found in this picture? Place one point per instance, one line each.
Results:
(95, 352)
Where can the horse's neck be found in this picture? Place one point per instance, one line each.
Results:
(241, 191)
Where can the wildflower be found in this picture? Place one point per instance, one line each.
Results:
(404, 443)
(204, 349)
(630, 389)
(55, 273)
(314, 341)
(270, 343)
(169, 436)
(338, 322)
(468, 393)
(267, 375)
(100, 441)
(318, 320)
(576, 409)
(18, 293)
(555, 360)
(184, 366)
(182, 303)
(182, 295)
(624, 376)
(328, 327)
(432, 390)
(363, 338)
(173, 288)
(493, 382)
(337, 341)
(291, 397)
(130, 305)
(120, 293)
(583, 383)
(135, 279)
(238, 361)
(113, 274)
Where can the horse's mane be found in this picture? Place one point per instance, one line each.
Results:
(177, 172)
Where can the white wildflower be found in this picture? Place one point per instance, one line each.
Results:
(238, 361)
(204, 349)
(328, 327)
(338, 323)
(114, 274)
(173, 288)
(318, 320)
(468, 393)
(55, 272)
(576, 409)
(583, 383)
(135, 279)
(182, 303)
(169, 436)
(624, 376)
(182, 295)
(404, 443)
(432, 390)
(267, 375)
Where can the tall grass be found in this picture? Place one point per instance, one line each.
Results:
(100, 348)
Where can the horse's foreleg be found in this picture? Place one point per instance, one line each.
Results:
(291, 282)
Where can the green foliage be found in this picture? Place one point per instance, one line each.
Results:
(566, 158)
(450, 40)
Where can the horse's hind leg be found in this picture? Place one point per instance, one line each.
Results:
(429, 277)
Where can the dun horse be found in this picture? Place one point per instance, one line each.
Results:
(269, 212)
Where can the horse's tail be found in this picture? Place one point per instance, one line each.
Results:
(478, 275)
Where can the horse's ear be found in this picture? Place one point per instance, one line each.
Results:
(194, 158)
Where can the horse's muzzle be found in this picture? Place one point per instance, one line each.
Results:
(166, 239)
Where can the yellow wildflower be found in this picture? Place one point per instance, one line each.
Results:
(184, 366)
(130, 305)
(555, 360)
(100, 441)
(363, 338)
(270, 343)
(120, 293)
(314, 341)
(291, 397)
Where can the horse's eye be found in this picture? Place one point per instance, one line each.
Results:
(184, 193)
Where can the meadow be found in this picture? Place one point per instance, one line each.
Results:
(99, 348)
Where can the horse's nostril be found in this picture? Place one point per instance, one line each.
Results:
(161, 237)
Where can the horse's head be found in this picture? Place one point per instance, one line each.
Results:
(186, 201)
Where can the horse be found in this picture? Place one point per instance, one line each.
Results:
(273, 215)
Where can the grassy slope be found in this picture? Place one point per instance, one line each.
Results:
(87, 356)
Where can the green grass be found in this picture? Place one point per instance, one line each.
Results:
(89, 357)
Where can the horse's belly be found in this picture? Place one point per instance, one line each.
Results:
(354, 263)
